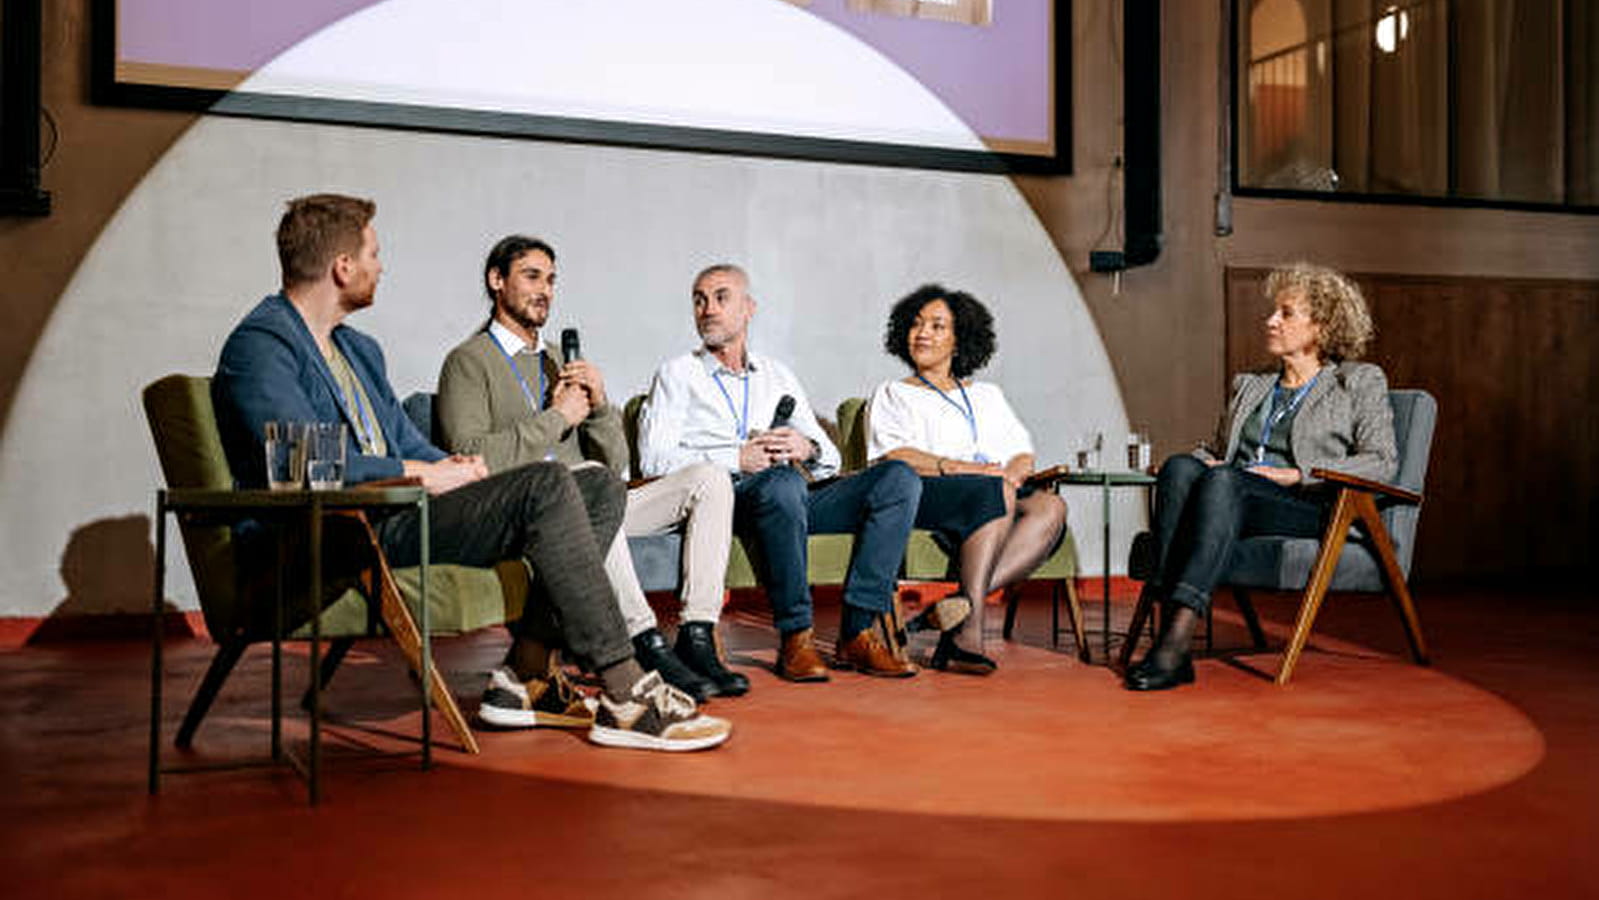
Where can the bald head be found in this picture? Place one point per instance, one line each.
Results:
(722, 305)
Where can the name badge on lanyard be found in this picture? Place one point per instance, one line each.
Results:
(535, 401)
(1274, 417)
(741, 422)
(966, 411)
(532, 400)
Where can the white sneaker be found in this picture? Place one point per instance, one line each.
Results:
(542, 702)
(656, 717)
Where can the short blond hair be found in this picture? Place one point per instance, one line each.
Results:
(1336, 305)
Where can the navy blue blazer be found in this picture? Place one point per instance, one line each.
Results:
(271, 370)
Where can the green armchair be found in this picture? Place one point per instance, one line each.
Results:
(925, 560)
(234, 597)
(828, 553)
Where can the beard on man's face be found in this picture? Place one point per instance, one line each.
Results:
(529, 313)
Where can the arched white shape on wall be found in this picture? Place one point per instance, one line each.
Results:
(829, 247)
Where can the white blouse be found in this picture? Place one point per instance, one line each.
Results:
(914, 416)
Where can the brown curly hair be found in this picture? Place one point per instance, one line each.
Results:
(1336, 305)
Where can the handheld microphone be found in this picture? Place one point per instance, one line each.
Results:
(570, 349)
(785, 411)
(569, 346)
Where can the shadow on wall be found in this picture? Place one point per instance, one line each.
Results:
(108, 568)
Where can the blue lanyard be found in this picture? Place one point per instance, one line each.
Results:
(1274, 417)
(966, 411)
(363, 424)
(526, 391)
(743, 422)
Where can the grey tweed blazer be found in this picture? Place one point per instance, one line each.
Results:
(1344, 423)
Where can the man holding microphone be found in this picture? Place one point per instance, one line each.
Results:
(710, 406)
(507, 399)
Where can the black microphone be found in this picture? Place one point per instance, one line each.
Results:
(569, 348)
(785, 411)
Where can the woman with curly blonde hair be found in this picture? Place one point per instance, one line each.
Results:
(1316, 408)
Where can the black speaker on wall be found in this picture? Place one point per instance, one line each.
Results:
(1143, 233)
(20, 194)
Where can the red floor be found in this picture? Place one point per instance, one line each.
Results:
(1477, 777)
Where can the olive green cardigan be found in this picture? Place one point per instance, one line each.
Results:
(481, 410)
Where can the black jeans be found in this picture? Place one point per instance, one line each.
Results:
(1201, 512)
(775, 509)
(560, 521)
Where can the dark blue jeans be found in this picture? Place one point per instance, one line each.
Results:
(775, 510)
(1202, 512)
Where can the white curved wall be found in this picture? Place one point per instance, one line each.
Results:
(828, 246)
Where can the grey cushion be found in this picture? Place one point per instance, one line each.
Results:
(419, 409)
(655, 560)
(1275, 563)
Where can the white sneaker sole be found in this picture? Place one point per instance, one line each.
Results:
(635, 740)
(499, 717)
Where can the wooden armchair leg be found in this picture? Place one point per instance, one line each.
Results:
(1141, 614)
(221, 666)
(1074, 610)
(1247, 608)
(1394, 576)
(1321, 573)
(338, 648)
(1012, 601)
(402, 628)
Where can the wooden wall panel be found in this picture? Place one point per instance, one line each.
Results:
(1513, 486)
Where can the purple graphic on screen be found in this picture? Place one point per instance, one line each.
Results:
(996, 78)
(231, 35)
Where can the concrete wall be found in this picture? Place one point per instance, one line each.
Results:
(1162, 334)
(189, 251)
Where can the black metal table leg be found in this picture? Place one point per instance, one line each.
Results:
(315, 752)
(1104, 508)
(427, 647)
(277, 642)
(158, 589)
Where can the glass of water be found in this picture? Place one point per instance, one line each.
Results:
(1139, 451)
(285, 455)
(325, 463)
(1088, 447)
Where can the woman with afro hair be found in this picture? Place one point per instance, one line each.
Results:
(972, 452)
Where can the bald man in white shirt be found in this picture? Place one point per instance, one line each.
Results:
(715, 404)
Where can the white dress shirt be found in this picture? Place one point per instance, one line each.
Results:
(697, 412)
(915, 416)
(508, 339)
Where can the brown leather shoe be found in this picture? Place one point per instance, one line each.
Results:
(797, 659)
(867, 654)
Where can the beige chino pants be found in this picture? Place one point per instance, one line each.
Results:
(701, 498)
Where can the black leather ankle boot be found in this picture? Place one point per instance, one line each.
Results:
(652, 652)
(696, 647)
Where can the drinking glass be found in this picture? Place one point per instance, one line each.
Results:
(1088, 447)
(285, 455)
(1139, 451)
(325, 464)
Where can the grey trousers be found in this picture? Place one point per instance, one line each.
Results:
(555, 519)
